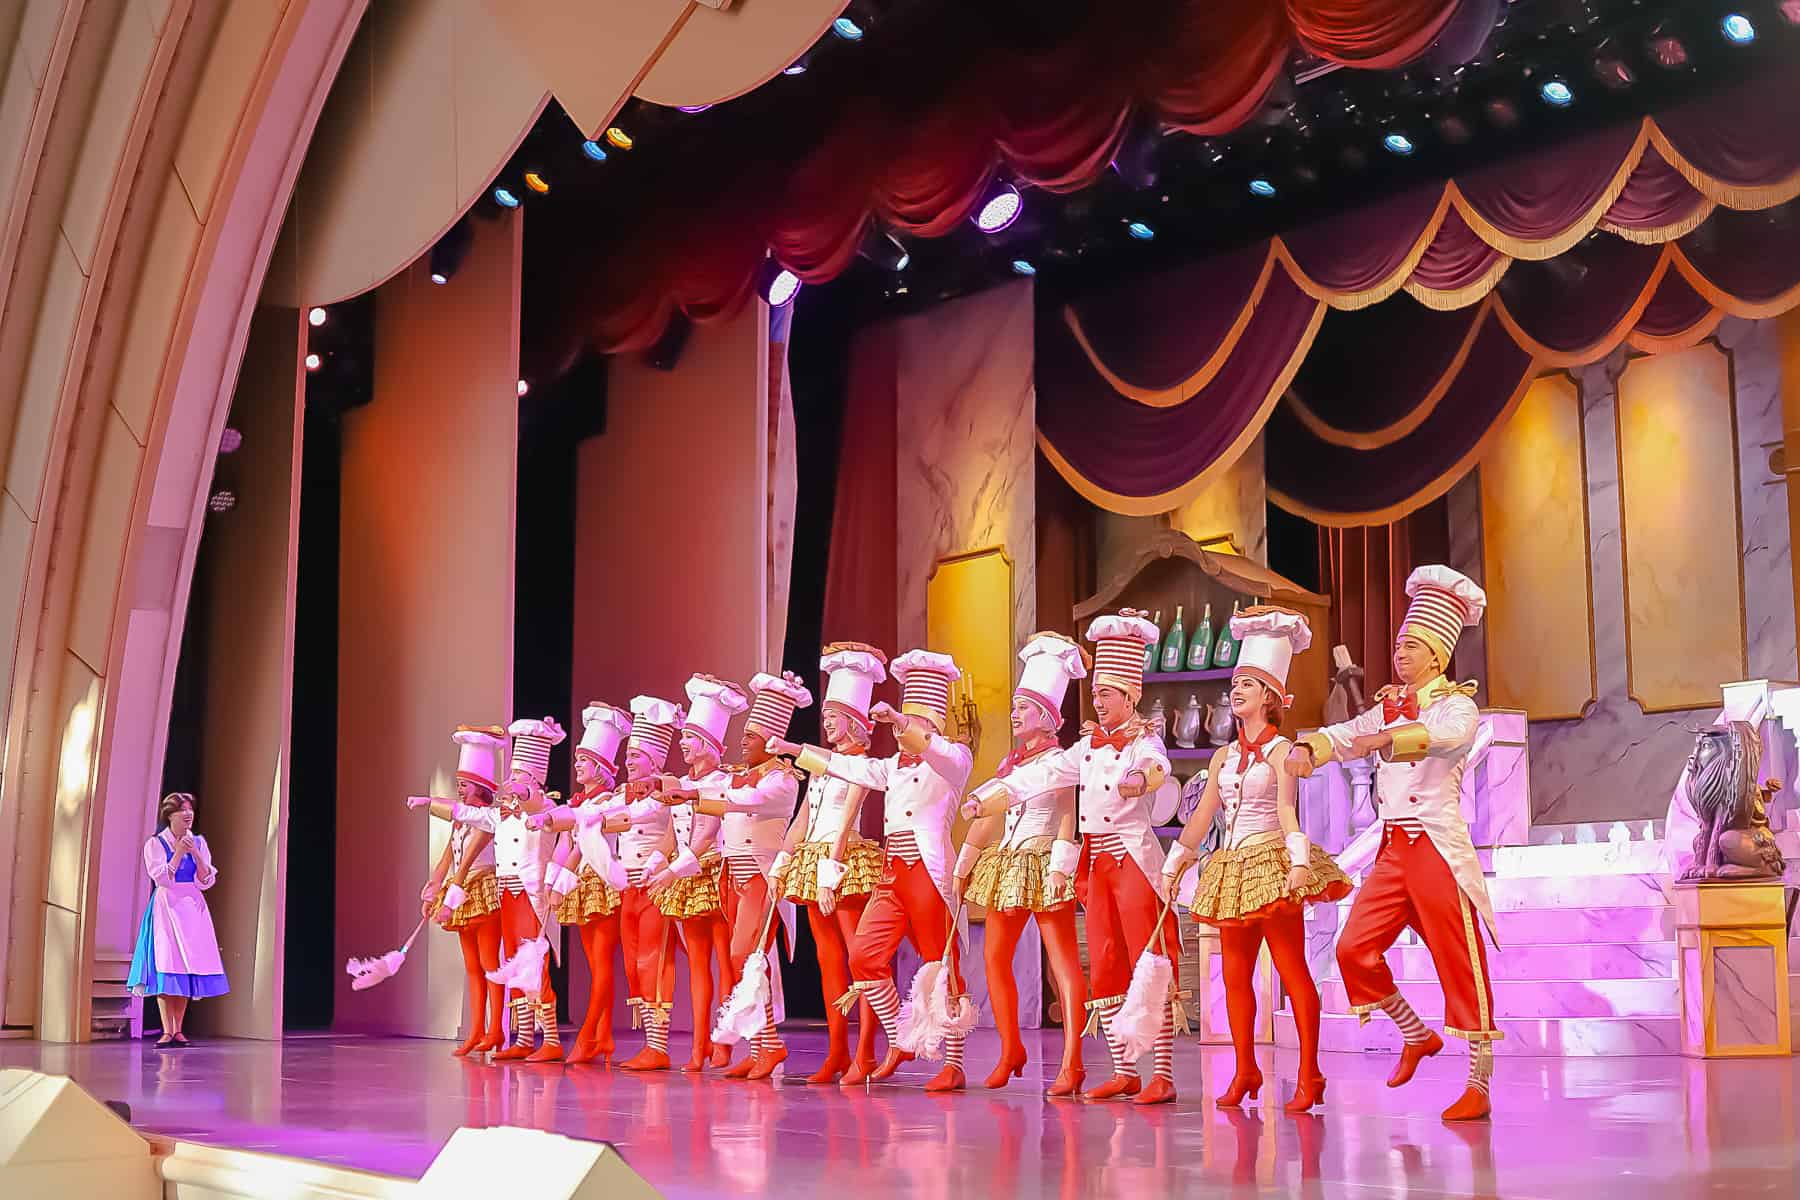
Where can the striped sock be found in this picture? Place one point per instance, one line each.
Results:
(953, 1051)
(1481, 1065)
(1120, 1065)
(1165, 1048)
(547, 1022)
(656, 1030)
(884, 998)
(771, 1035)
(1412, 1029)
(521, 1021)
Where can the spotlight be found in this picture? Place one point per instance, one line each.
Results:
(1556, 93)
(1398, 143)
(1140, 231)
(1022, 267)
(690, 109)
(536, 182)
(999, 207)
(439, 278)
(1261, 187)
(222, 501)
(847, 29)
(315, 317)
(1737, 29)
(884, 250)
(505, 199)
(1790, 11)
(776, 284)
(618, 138)
(1454, 130)
(523, 387)
(1503, 113)
(313, 362)
(230, 440)
(798, 68)
(1667, 48)
(594, 150)
(1611, 69)
(447, 256)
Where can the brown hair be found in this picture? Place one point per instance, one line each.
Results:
(1273, 710)
(171, 804)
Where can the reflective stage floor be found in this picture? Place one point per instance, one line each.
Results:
(1583, 1128)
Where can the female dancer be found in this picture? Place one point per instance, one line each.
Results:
(1011, 877)
(177, 954)
(463, 894)
(1252, 889)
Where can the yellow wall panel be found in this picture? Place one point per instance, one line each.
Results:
(1684, 586)
(103, 545)
(968, 615)
(1540, 623)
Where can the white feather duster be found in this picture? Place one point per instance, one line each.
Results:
(365, 973)
(524, 971)
(1137, 1022)
(931, 1014)
(742, 1016)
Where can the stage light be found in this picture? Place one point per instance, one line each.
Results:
(1503, 113)
(1453, 129)
(439, 278)
(222, 501)
(1790, 11)
(798, 68)
(313, 361)
(1737, 29)
(1022, 267)
(1140, 231)
(315, 317)
(505, 199)
(1261, 187)
(523, 387)
(447, 256)
(230, 440)
(1556, 93)
(619, 138)
(690, 109)
(594, 150)
(1000, 208)
(1398, 143)
(1667, 49)
(776, 284)
(847, 29)
(536, 182)
(884, 250)
(1611, 69)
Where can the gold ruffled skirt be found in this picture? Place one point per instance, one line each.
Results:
(1008, 879)
(1250, 882)
(592, 897)
(481, 896)
(695, 896)
(801, 875)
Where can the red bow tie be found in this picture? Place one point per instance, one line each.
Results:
(1118, 741)
(1407, 706)
(910, 760)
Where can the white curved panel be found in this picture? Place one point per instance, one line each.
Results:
(720, 55)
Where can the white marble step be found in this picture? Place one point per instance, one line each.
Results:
(1522, 998)
(1563, 892)
(1596, 831)
(1546, 1037)
(1588, 858)
(1620, 926)
(1591, 960)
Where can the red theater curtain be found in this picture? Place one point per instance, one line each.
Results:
(1364, 571)
(1369, 33)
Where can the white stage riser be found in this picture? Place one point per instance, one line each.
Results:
(1550, 1037)
(1530, 998)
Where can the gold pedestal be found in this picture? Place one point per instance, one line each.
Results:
(1732, 966)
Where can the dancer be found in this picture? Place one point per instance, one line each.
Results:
(1011, 877)
(1253, 887)
(922, 786)
(687, 890)
(176, 958)
(756, 806)
(1118, 764)
(826, 865)
(463, 894)
(1426, 874)
(584, 892)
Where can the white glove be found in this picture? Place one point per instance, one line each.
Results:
(1178, 855)
(780, 864)
(562, 881)
(1299, 850)
(831, 873)
(1064, 858)
(966, 859)
(686, 865)
(453, 899)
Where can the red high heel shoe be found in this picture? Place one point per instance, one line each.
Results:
(890, 1064)
(1010, 1067)
(1117, 1086)
(1307, 1093)
(1241, 1085)
(1067, 1084)
(584, 1052)
(469, 1047)
(829, 1072)
(764, 1065)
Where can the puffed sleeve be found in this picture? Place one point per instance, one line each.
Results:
(860, 769)
(1445, 728)
(950, 761)
(205, 873)
(1333, 740)
(484, 817)
(157, 865)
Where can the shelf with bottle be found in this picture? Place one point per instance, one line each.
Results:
(1210, 675)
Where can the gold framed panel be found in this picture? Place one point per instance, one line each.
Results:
(969, 616)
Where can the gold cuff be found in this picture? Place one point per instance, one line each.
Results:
(1320, 745)
(1153, 776)
(813, 760)
(1410, 743)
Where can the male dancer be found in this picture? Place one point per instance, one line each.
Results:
(1426, 874)
(756, 806)
(1118, 764)
(923, 785)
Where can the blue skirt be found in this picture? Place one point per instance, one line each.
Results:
(146, 980)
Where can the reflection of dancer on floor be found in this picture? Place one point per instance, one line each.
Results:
(827, 866)
(585, 876)
(687, 889)
(177, 954)
(1253, 887)
(921, 788)
(463, 894)
(756, 807)
(1006, 860)
(1426, 874)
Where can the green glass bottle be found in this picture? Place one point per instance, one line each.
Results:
(1174, 647)
(1154, 647)
(1225, 650)
(1200, 649)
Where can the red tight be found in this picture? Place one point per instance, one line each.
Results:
(702, 939)
(1285, 933)
(599, 937)
(1057, 928)
(832, 937)
(481, 954)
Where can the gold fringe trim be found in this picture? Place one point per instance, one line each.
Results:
(847, 1002)
(1756, 310)
(801, 874)
(481, 899)
(1537, 251)
(593, 897)
(1097, 1009)
(695, 896)
(1007, 879)
(1476, 1037)
(1178, 1013)
(1250, 882)
(1445, 299)
(1349, 301)
(1656, 235)
(1548, 356)
(1687, 339)
(1362, 1012)
(1766, 195)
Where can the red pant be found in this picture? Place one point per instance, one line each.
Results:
(905, 904)
(1121, 909)
(649, 961)
(1411, 884)
(518, 925)
(745, 910)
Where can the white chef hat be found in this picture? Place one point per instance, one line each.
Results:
(1268, 638)
(603, 728)
(1443, 603)
(852, 669)
(1052, 663)
(1120, 640)
(532, 740)
(479, 750)
(711, 704)
(925, 677)
(654, 724)
(775, 698)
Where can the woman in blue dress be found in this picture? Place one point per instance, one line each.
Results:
(177, 955)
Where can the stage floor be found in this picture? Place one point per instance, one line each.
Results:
(1583, 1128)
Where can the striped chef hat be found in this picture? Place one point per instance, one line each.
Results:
(774, 701)
(1052, 662)
(654, 724)
(478, 752)
(711, 704)
(925, 677)
(852, 670)
(1120, 640)
(1268, 638)
(532, 740)
(603, 728)
(1442, 604)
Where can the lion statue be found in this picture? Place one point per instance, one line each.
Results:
(1734, 841)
